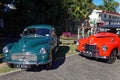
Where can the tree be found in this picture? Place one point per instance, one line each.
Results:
(53, 12)
(77, 9)
(109, 5)
(101, 7)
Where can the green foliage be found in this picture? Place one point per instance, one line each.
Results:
(73, 9)
(101, 7)
(109, 5)
(32, 12)
(53, 12)
(77, 9)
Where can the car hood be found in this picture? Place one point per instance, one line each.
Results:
(30, 44)
(101, 38)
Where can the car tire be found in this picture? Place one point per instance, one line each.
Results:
(10, 65)
(49, 66)
(112, 57)
(118, 57)
(57, 49)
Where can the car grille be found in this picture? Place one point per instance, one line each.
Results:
(24, 57)
(90, 48)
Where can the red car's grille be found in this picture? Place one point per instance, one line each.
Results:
(90, 48)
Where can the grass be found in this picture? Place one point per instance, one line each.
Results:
(65, 50)
(4, 68)
(72, 49)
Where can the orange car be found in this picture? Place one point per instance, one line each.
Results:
(105, 44)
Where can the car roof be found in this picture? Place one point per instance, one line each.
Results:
(40, 26)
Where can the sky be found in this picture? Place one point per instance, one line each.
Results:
(98, 2)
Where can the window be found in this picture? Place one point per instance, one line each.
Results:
(37, 31)
(104, 15)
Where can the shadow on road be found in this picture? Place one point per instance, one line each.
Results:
(60, 56)
(58, 60)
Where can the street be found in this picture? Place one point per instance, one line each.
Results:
(71, 68)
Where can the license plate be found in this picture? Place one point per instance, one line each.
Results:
(22, 66)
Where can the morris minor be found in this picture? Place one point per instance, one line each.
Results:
(37, 46)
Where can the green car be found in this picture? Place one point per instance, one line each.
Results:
(37, 46)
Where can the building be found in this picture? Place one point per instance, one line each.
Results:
(101, 18)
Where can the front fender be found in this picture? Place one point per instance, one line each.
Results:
(7, 55)
(111, 47)
(9, 46)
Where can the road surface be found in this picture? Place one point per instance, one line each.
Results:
(70, 68)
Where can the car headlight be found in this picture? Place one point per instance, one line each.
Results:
(43, 51)
(77, 43)
(104, 48)
(5, 50)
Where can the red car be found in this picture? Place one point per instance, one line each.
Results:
(104, 44)
(68, 35)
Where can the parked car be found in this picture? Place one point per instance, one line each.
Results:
(104, 44)
(37, 46)
(68, 35)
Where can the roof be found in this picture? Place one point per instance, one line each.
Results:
(40, 26)
(112, 13)
(111, 26)
(107, 12)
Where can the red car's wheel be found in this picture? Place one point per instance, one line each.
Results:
(112, 57)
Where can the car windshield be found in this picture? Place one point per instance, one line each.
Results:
(112, 30)
(36, 32)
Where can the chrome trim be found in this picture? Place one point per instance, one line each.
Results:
(92, 55)
(30, 63)
(25, 56)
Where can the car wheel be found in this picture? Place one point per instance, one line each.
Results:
(57, 49)
(118, 57)
(112, 57)
(10, 65)
(49, 66)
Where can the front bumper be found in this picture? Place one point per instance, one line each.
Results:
(28, 58)
(30, 63)
(25, 64)
(89, 54)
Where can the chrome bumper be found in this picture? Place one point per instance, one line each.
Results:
(88, 54)
(29, 63)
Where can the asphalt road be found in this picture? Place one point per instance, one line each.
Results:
(71, 68)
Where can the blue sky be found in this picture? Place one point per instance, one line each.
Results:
(98, 2)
